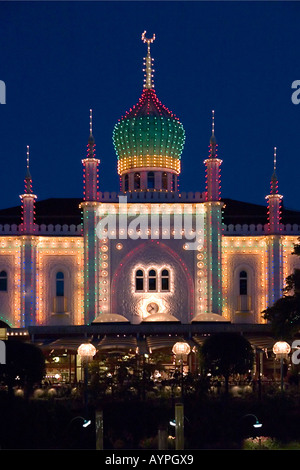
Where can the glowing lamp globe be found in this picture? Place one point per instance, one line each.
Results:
(181, 348)
(86, 351)
(281, 349)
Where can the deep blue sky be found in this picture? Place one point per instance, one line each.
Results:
(59, 59)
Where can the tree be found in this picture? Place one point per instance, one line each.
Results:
(225, 354)
(126, 374)
(284, 314)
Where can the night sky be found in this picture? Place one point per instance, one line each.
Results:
(59, 59)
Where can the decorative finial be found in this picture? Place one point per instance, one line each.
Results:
(27, 159)
(91, 122)
(274, 180)
(213, 142)
(91, 140)
(148, 62)
(28, 180)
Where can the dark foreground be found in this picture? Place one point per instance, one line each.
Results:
(211, 422)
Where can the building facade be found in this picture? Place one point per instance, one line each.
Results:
(149, 253)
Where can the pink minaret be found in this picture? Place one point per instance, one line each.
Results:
(90, 220)
(28, 252)
(274, 241)
(274, 202)
(90, 163)
(213, 183)
(213, 228)
(28, 203)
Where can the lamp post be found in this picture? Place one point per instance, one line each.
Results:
(281, 349)
(180, 349)
(86, 352)
(86, 422)
(257, 424)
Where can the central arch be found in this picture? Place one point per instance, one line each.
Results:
(178, 301)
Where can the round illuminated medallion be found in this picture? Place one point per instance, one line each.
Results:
(152, 307)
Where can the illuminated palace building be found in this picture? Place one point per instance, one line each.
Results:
(148, 260)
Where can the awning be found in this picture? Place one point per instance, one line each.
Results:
(65, 344)
(118, 343)
(257, 341)
(261, 342)
(155, 343)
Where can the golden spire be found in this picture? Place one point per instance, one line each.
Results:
(148, 62)
(28, 180)
(91, 122)
(91, 140)
(274, 180)
(213, 142)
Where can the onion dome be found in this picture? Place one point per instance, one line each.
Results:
(149, 135)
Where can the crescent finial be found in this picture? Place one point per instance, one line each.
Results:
(148, 61)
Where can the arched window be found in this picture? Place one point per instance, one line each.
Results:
(152, 280)
(165, 280)
(243, 283)
(164, 180)
(60, 284)
(150, 183)
(137, 180)
(139, 280)
(126, 182)
(3, 281)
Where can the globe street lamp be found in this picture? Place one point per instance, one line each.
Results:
(281, 349)
(180, 349)
(86, 352)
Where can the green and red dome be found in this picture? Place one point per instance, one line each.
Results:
(149, 135)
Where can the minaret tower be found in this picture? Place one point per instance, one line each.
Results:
(28, 252)
(91, 171)
(91, 241)
(213, 227)
(274, 240)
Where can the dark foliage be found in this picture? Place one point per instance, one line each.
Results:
(225, 354)
(25, 365)
(284, 314)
